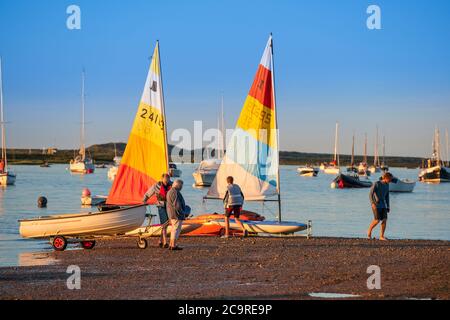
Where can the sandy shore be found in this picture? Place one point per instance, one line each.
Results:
(262, 268)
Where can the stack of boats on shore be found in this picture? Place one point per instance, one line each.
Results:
(146, 157)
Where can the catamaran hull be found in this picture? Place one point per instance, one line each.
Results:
(106, 223)
(270, 227)
(7, 179)
(155, 230)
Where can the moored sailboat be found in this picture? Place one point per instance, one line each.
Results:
(376, 167)
(334, 166)
(363, 169)
(82, 164)
(352, 167)
(7, 177)
(434, 171)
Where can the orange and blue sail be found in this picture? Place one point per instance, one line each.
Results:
(252, 153)
(145, 158)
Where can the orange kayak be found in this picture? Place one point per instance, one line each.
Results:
(208, 228)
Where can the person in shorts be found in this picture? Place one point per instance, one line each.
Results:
(379, 200)
(233, 202)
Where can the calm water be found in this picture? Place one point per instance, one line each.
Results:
(424, 214)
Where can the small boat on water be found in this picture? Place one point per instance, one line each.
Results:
(100, 166)
(7, 177)
(308, 171)
(434, 170)
(401, 185)
(334, 167)
(384, 166)
(45, 164)
(258, 175)
(206, 172)
(350, 181)
(82, 164)
(174, 171)
(352, 168)
(376, 167)
(363, 168)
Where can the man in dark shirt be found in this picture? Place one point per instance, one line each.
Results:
(379, 200)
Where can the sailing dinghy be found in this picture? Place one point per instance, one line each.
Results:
(252, 156)
(6, 177)
(143, 162)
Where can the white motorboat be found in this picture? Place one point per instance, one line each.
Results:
(100, 223)
(270, 227)
(401, 185)
(82, 164)
(7, 177)
(206, 172)
(308, 171)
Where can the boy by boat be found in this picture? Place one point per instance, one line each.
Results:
(379, 199)
(233, 202)
(161, 189)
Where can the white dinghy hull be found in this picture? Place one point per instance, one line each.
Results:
(105, 223)
(271, 227)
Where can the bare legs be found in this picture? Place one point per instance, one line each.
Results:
(373, 224)
(227, 225)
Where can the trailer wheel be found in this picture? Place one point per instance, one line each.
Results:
(59, 243)
(88, 244)
(142, 243)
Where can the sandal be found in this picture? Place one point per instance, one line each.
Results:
(177, 248)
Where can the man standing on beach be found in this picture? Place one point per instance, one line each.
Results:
(379, 199)
(177, 211)
(161, 189)
(233, 202)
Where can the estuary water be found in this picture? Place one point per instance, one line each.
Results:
(424, 214)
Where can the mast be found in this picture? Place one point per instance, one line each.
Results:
(2, 120)
(82, 146)
(163, 108)
(365, 148)
(223, 130)
(276, 126)
(384, 150)
(336, 142)
(353, 152)
(438, 147)
(446, 140)
(375, 156)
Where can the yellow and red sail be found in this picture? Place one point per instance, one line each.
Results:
(146, 156)
(252, 153)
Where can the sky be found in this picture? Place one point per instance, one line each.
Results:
(328, 66)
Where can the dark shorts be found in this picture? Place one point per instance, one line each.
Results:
(163, 218)
(380, 213)
(235, 210)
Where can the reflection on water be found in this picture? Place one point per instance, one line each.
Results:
(35, 259)
(325, 295)
(423, 214)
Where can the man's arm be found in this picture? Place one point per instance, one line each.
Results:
(373, 194)
(150, 192)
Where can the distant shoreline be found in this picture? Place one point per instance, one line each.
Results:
(104, 153)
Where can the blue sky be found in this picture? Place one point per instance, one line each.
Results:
(329, 67)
